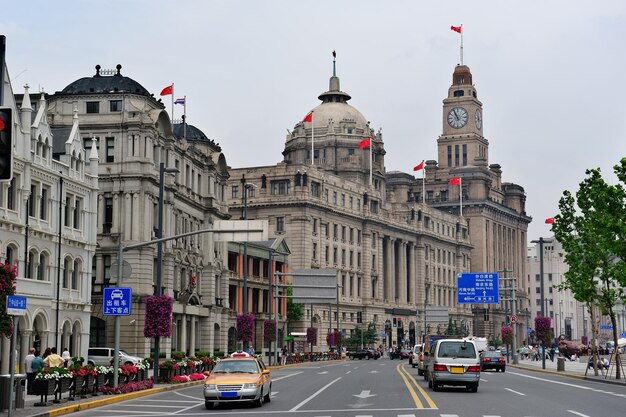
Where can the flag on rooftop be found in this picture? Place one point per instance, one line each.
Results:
(180, 101)
(167, 90)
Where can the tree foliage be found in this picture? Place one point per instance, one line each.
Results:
(369, 337)
(591, 226)
(295, 311)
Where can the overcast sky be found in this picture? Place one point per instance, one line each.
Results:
(550, 74)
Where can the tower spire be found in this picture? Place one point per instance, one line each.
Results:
(334, 63)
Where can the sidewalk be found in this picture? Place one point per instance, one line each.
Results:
(573, 369)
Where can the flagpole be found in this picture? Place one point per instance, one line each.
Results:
(172, 103)
(423, 183)
(371, 144)
(461, 44)
(185, 119)
(461, 194)
(312, 139)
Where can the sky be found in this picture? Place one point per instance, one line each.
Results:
(547, 72)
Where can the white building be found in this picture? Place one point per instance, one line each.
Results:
(47, 228)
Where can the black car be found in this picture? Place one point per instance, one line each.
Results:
(492, 360)
(400, 354)
(363, 354)
(374, 354)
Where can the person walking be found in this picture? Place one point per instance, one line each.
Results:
(283, 358)
(30, 375)
(66, 357)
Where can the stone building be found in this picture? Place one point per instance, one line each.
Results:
(47, 219)
(493, 210)
(133, 135)
(393, 254)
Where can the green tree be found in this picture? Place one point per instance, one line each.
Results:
(295, 311)
(369, 337)
(451, 330)
(591, 226)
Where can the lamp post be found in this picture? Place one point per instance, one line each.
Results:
(560, 319)
(159, 265)
(541, 241)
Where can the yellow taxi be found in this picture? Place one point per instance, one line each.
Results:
(239, 378)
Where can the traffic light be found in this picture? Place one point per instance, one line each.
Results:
(6, 144)
(399, 321)
(395, 322)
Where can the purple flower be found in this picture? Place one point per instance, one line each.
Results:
(507, 334)
(158, 316)
(245, 327)
(543, 328)
(8, 275)
(311, 335)
(269, 330)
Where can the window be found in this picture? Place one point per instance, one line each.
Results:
(68, 205)
(31, 201)
(343, 200)
(115, 106)
(537, 290)
(93, 107)
(43, 208)
(326, 254)
(280, 224)
(334, 197)
(537, 278)
(77, 211)
(350, 152)
(110, 142)
(108, 215)
(235, 191)
(315, 189)
(351, 202)
(456, 155)
(464, 155)
(280, 187)
(314, 225)
(314, 251)
(449, 155)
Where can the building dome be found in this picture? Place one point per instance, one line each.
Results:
(106, 81)
(192, 134)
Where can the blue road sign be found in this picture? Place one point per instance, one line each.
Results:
(606, 327)
(16, 305)
(622, 335)
(481, 288)
(116, 301)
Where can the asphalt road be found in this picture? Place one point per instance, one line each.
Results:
(393, 389)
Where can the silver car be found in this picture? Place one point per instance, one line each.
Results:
(454, 362)
(104, 356)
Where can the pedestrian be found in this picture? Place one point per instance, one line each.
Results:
(53, 360)
(46, 353)
(66, 357)
(283, 357)
(30, 375)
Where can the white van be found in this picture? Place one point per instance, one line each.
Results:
(454, 362)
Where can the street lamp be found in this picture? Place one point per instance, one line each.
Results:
(159, 265)
(246, 187)
(541, 241)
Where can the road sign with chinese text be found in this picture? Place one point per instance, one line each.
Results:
(116, 301)
(16, 305)
(480, 288)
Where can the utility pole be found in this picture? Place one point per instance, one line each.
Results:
(513, 300)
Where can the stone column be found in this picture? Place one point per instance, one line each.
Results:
(4, 361)
(412, 277)
(192, 342)
(401, 291)
(379, 268)
(25, 344)
(183, 333)
(386, 273)
(392, 270)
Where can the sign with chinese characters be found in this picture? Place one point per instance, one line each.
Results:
(480, 288)
(116, 301)
(16, 305)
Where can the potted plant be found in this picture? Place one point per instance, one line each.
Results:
(168, 369)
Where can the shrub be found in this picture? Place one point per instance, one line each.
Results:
(245, 327)
(158, 316)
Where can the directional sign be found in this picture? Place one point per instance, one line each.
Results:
(606, 327)
(16, 305)
(481, 288)
(116, 301)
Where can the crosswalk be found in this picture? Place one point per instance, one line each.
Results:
(412, 415)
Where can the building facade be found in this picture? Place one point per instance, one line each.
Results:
(337, 207)
(133, 135)
(47, 219)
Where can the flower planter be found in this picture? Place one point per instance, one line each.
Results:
(44, 387)
(76, 385)
(64, 385)
(99, 382)
(88, 385)
(166, 373)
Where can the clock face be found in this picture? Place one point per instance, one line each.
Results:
(478, 119)
(457, 117)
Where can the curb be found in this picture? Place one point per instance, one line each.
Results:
(545, 371)
(112, 399)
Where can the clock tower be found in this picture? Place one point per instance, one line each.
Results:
(462, 142)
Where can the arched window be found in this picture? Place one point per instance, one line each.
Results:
(11, 251)
(31, 270)
(66, 272)
(76, 274)
(42, 268)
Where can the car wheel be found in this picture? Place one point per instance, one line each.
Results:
(435, 386)
(420, 373)
(503, 368)
(208, 405)
(430, 383)
(259, 402)
(268, 396)
(475, 387)
(351, 358)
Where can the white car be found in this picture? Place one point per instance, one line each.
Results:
(117, 294)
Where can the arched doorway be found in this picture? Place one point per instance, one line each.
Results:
(232, 340)
(75, 340)
(216, 338)
(97, 332)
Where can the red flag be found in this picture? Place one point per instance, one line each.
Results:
(455, 181)
(456, 28)
(365, 143)
(419, 166)
(167, 91)
(550, 220)
(308, 118)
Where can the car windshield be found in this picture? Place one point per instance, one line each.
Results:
(236, 367)
(457, 350)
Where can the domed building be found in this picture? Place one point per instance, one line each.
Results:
(134, 138)
(392, 258)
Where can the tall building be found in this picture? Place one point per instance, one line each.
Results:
(393, 255)
(133, 135)
(47, 219)
(569, 317)
(493, 210)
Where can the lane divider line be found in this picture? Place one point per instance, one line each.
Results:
(315, 394)
(515, 392)
(429, 400)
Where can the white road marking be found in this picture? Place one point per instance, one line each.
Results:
(483, 380)
(348, 372)
(315, 394)
(448, 415)
(322, 373)
(187, 396)
(577, 413)
(184, 410)
(364, 394)
(515, 392)
(406, 415)
(286, 376)
(143, 405)
(373, 372)
(273, 394)
(368, 415)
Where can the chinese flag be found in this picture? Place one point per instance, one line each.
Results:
(419, 166)
(455, 181)
(167, 91)
(550, 220)
(456, 28)
(365, 143)
(308, 118)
